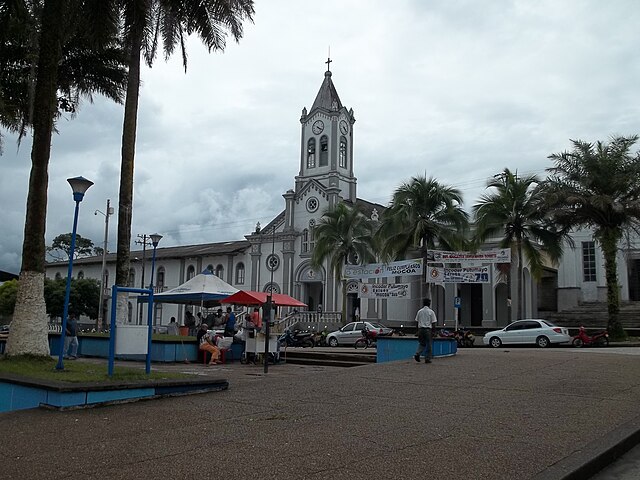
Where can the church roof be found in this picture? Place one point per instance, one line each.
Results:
(327, 97)
(206, 249)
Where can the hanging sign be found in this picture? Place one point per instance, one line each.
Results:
(382, 270)
(498, 255)
(459, 275)
(383, 290)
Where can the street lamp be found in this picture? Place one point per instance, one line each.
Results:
(79, 185)
(104, 261)
(155, 240)
(269, 305)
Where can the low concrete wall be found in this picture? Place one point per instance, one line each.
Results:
(390, 349)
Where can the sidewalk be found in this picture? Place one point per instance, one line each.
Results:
(485, 413)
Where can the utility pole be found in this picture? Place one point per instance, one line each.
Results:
(144, 241)
(109, 212)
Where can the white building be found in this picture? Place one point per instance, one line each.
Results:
(277, 256)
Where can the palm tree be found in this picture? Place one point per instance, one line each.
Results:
(422, 214)
(598, 186)
(514, 212)
(91, 62)
(343, 236)
(60, 24)
(170, 21)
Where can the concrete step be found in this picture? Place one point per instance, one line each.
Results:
(337, 357)
(595, 315)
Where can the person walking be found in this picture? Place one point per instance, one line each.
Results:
(71, 338)
(426, 319)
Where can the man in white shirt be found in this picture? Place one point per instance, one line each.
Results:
(426, 320)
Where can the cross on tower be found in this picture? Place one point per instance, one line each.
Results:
(328, 63)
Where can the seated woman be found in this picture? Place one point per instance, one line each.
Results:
(207, 343)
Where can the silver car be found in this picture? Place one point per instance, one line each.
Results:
(531, 331)
(351, 332)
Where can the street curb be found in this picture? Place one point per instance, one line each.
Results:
(596, 455)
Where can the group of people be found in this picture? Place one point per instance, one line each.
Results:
(208, 341)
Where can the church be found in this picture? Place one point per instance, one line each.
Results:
(277, 257)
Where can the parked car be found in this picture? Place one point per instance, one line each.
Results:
(524, 332)
(351, 332)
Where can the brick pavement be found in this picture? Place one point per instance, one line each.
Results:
(509, 413)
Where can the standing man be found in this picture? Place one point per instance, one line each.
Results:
(230, 326)
(71, 338)
(426, 319)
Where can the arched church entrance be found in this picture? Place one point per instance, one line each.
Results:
(310, 284)
(353, 302)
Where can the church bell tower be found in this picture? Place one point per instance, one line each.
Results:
(326, 151)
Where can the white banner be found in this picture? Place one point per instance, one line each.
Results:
(498, 255)
(383, 290)
(383, 270)
(459, 275)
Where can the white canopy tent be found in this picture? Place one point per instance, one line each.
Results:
(205, 289)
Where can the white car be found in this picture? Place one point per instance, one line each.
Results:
(528, 332)
(351, 332)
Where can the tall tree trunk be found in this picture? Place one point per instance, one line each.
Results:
(520, 281)
(29, 333)
(125, 202)
(609, 241)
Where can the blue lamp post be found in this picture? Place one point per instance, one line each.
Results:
(155, 240)
(79, 185)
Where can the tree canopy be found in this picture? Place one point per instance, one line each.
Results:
(61, 245)
(597, 185)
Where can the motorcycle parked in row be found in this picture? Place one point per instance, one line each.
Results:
(464, 337)
(320, 338)
(296, 339)
(600, 339)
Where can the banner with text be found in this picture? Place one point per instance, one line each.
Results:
(459, 275)
(383, 270)
(498, 255)
(383, 290)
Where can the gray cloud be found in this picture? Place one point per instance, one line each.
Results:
(457, 90)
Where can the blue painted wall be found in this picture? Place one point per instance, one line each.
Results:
(403, 348)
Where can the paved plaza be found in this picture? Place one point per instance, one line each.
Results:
(515, 413)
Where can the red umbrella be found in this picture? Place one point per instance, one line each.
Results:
(248, 297)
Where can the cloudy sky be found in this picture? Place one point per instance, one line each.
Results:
(456, 89)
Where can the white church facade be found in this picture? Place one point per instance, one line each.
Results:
(277, 257)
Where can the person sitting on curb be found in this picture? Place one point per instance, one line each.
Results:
(207, 343)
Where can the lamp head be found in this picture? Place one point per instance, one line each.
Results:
(79, 185)
(155, 239)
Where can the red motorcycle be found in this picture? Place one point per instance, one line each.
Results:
(600, 339)
(367, 340)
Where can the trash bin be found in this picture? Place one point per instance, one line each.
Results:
(184, 331)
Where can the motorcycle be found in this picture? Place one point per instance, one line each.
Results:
(398, 332)
(367, 340)
(464, 337)
(600, 339)
(296, 339)
(320, 338)
(444, 333)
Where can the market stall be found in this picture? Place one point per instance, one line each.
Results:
(256, 340)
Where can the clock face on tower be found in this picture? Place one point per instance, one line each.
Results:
(317, 127)
(344, 127)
